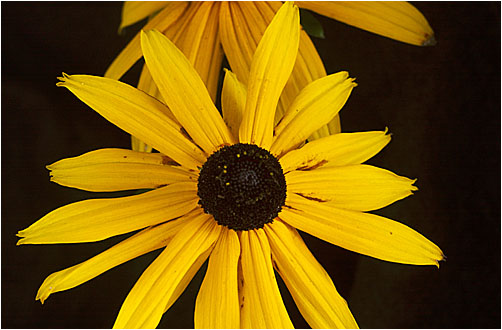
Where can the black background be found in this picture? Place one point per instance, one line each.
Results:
(441, 103)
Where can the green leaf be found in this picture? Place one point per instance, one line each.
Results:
(310, 24)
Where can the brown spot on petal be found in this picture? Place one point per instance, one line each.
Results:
(309, 166)
(430, 40)
(185, 133)
(277, 125)
(312, 198)
(168, 161)
(290, 207)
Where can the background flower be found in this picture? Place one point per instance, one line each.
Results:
(442, 103)
(207, 32)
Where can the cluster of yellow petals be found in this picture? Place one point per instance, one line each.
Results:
(329, 190)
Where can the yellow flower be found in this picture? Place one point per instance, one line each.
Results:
(204, 30)
(232, 189)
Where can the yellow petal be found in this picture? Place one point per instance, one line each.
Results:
(233, 100)
(187, 277)
(200, 43)
(308, 64)
(364, 233)
(270, 70)
(117, 169)
(217, 305)
(309, 284)
(138, 145)
(308, 68)
(147, 85)
(145, 304)
(393, 19)
(354, 187)
(237, 37)
(143, 242)
(333, 127)
(242, 25)
(184, 92)
(314, 107)
(135, 11)
(167, 17)
(262, 307)
(97, 219)
(137, 113)
(336, 150)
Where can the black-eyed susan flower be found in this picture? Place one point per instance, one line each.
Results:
(206, 31)
(231, 189)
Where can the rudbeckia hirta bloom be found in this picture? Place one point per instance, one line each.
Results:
(206, 31)
(231, 189)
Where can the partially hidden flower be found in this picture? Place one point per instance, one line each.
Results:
(231, 189)
(206, 31)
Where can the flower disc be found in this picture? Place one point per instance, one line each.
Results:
(242, 186)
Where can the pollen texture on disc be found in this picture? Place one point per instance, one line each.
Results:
(242, 186)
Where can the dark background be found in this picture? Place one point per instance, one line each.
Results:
(441, 103)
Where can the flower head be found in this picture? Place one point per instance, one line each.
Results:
(232, 189)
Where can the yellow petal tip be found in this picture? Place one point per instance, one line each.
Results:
(413, 188)
(350, 81)
(42, 299)
(44, 292)
(62, 80)
(443, 259)
(64, 77)
(23, 239)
